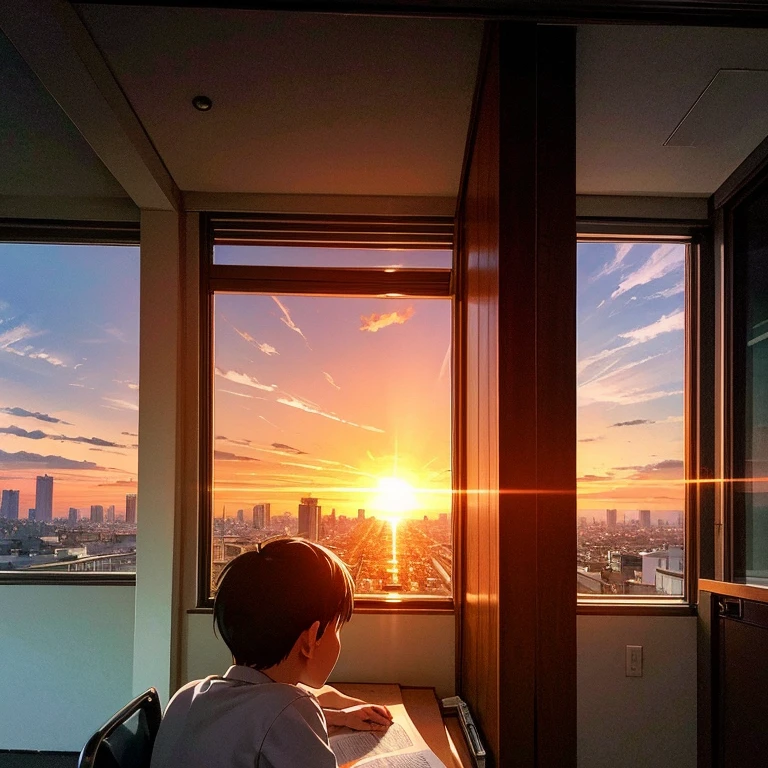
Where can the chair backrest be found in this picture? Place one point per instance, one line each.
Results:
(126, 740)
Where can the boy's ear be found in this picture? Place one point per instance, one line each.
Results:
(308, 640)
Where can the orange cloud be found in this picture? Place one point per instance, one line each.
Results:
(376, 321)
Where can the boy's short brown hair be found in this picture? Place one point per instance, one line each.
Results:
(267, 597)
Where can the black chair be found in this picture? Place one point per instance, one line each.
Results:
(126, 740)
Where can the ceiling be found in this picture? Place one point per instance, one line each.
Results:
(354, 105)
(41, 153)
(302, 103)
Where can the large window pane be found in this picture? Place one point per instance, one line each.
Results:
(332, 420)
(751, 389)
(631, 364)
(68, 407)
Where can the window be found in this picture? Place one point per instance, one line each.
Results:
(631, 309)
(69, 407)
(750, 399)
(330, 384)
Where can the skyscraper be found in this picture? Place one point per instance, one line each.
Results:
(309, 519)
(130, 507)
(645, 518)
(97, 513)
(73, 514)
(262, 516)
(9, 508)
(610, 518)
(44, 498)
(361, 514)
(240, 515)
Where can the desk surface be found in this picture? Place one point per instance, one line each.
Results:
(421, 704)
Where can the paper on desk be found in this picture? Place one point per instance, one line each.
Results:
(400, 746)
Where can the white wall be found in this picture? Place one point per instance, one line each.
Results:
(67, 662)
(375, 648)
(637, 722)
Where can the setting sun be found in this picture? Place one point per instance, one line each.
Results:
(395, 497)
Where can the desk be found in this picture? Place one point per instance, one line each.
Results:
(445, 739)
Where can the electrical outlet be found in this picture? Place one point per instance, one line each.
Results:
(634, 661)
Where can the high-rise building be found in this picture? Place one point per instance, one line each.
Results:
(309, 519)
(582, 522)
(31, 514)
(262, 516)
(645, 518)
(44, 498)
(240, 515)
(111, 513)
(130, 507)
(73, 513)
(9, 507)
(361, 514)
(97, 513)
(610, 518)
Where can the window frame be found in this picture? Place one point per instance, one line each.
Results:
(332, 231)
(696, 236)
(68, 232)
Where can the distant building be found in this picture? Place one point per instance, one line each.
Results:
(582, 522)
(97, 513)
(73, 513)
(443, 517)
(361, 514)
(262, 516)
(645, 518)
(31, 515)
(610, 518)
(9, 507)
(240, 515)
(309, 519)
(130, 507)
(111, 513)
(44, 498)
(671, 559)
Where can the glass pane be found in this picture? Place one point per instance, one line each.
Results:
(751, 389)
(631, 358)
(332, 420)
(372, 258)
(69, 366)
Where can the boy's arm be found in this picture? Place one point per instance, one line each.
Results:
(340, 709)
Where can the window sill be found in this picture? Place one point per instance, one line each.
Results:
(362, 605)
(614, 607)
(66, 579)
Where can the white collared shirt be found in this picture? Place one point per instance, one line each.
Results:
(243, 720)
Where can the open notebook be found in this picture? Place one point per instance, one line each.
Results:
(400, 746)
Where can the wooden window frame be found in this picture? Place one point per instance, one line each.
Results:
(329, 231)
(695, 235)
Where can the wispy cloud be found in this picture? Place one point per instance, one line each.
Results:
(330, 380)
(669, 292)
(38, 434)
(633, 423)
(21, 333)
(267, 349)
(130, 384)
(23, 413)
(37, 461)
(122, 405)
(590, 439)
(665, 324)
(662, 261)
(227, 456)
(245, 380)
(289, 448)
(376, 322)
(286, 318)
(305, 405)
(238, 394)
(621, 252)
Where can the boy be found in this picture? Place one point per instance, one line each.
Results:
(280, 610)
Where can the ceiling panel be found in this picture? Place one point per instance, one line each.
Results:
(636, 84)
(302, 103)
(41, 152)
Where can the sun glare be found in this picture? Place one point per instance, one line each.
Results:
(395, 497)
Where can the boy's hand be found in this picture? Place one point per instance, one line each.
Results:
(361, 717)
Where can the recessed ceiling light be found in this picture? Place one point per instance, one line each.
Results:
(202, 103)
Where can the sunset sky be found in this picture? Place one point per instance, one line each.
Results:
(69, 368)
(631, 311)
(324, 396)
